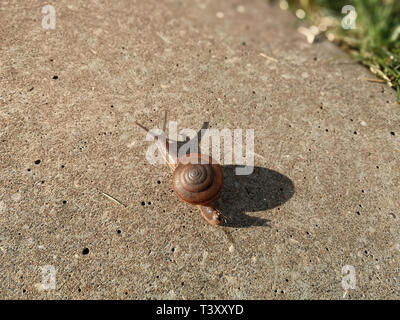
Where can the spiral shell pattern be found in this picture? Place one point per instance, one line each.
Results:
(197, 177)
(198, 183)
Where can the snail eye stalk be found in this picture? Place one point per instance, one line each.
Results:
(145, 129)
(165, 122)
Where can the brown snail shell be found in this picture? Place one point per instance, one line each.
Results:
(198, 179)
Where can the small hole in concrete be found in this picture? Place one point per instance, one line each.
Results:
(55, 77)
(37, 161)
(64, 201)
(119, 231)
(143, 203)
(85, 251)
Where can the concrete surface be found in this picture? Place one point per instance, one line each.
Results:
(325, 193)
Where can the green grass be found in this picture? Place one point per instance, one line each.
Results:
(376, 40)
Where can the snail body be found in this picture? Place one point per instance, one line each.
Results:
(197, 178)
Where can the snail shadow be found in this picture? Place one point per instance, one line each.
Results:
(262, 190)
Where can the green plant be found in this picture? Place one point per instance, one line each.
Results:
(375, 41)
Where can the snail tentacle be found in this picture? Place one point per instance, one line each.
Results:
(163, 146)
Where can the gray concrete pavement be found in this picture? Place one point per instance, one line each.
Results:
(324, 194)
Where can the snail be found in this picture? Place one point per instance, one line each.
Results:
(197, 178)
